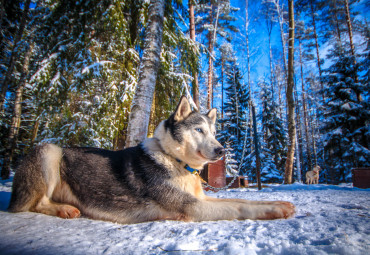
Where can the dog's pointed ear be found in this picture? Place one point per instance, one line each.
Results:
(183, 109)
(212, 114)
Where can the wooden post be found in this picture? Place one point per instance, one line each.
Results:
(256, 145)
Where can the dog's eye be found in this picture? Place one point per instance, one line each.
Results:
(199, 130)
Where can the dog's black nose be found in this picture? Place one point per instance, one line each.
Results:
(220, 151)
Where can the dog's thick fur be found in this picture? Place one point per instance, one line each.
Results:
(143, 183)
(312, 177)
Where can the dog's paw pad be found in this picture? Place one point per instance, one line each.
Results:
(287, 208)
(68, 212)
(278, 210)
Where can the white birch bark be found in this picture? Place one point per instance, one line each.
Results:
(195, 88)
(280, 13)
(142, 101)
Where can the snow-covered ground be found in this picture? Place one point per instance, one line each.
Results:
(329, 220)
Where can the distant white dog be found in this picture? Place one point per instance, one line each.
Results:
(312, 177)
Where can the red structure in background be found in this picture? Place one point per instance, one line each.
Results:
(215, 175)
(361, 178)
(239, 182)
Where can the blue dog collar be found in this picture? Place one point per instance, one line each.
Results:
(190, 169)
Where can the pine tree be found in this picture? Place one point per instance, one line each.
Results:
(17, 54)
(90, 68)
(195, 85)
(6, 81)
(230, 162)
(11, 14)
(82, 79)
(235, 111)
(346, 117)
(274, 137)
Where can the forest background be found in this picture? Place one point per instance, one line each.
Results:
(69, 70)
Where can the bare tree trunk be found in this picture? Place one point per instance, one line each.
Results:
(305, 122)
(299, 171)
(210, 64)
(222, 89)
(237, 104)
(270, 60)
(280, 97)
(281, 25)
(35, 130)
(142, 101)
(195, 88)
(316, 43)
(299, 132)
(210, 82)
(280, 16)
(349, 24)
(290, 99)
(335, 10)
(250, 122)
(350, 34)
(16, 118)
(2, 11)
(13, 55)
(256, 145)
(313, 137)
(247, 41)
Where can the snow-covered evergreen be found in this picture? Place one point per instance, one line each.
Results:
(75, 69)
(231, 164)
(273, 138)
(235, 108)
(346, 116)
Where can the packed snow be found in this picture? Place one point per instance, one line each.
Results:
(329, 220)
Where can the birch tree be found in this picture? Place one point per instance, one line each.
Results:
(274, 11)
(280, 17)
(142, 101)
(270, 19)
(313, 16)
(304, 105)
(195, 88)
(214, 19)
(314, 26)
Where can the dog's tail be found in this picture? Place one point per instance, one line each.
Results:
(30, 182)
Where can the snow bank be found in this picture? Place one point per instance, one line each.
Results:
(329, 220)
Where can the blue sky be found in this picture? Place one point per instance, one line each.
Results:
(258, 42)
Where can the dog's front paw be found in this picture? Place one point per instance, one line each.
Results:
(278, 210)
(68, 212)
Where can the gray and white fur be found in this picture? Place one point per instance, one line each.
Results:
(143, 183)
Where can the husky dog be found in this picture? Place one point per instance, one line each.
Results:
(152, 181)
(312, 176)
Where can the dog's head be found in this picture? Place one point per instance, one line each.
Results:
(189, 136)
(316, 169)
